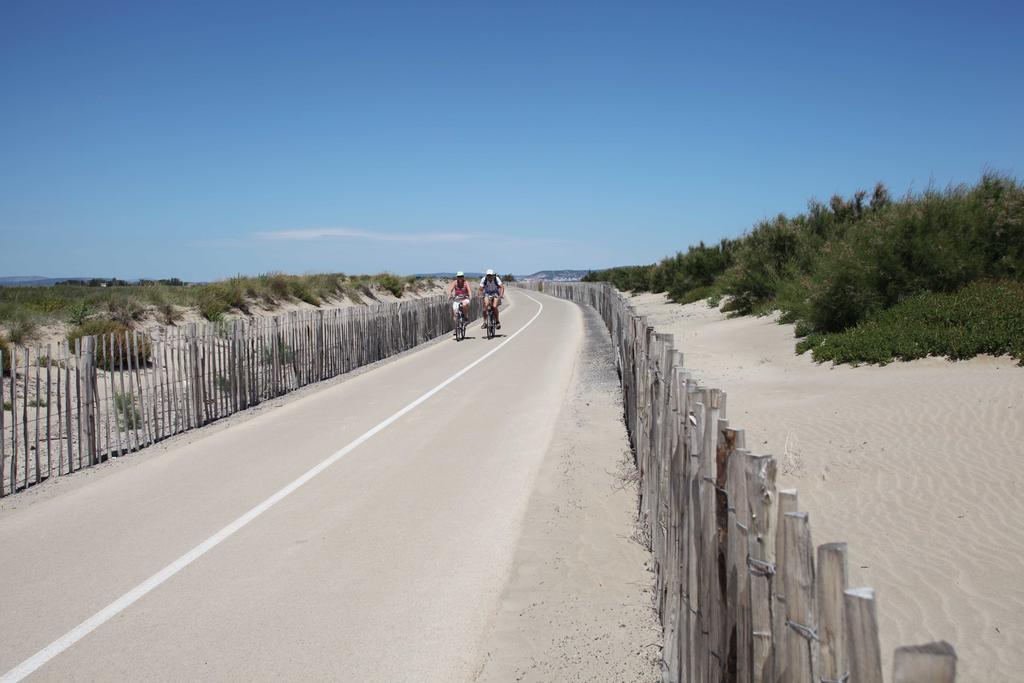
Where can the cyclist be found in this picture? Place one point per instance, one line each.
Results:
(491, 290)
(460, 291)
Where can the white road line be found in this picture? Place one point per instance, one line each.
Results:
(122, 603)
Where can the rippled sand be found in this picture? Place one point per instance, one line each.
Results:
(919, 466)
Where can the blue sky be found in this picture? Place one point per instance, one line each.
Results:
(208, 139)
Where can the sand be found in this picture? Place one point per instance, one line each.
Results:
(918, 465)
(578, 602)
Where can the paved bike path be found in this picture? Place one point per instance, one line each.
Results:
(384, 566)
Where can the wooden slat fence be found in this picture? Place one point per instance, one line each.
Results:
(70, 406)
(742, 594)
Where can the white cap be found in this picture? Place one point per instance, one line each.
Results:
(490, 272)
(460, 274)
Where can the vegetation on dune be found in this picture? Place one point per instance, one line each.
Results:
(124, 349)
(983, 317)
(869, 278)
(22, 309)
(21, 328)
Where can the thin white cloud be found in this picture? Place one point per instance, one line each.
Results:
(346, 233)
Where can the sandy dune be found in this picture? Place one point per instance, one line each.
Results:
(919, 466)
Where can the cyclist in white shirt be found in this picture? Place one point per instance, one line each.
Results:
(492, 290)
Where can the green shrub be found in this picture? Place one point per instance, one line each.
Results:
(840, 266)
(763, 260)
(985, 317)
(690, 276)
(802, 329)
(390, 283)
(710, 293)
(231, 293)
(934, 242)
(353, 293)
(78, 312)
(301, 290)
(278, 285)
(168, 313)
(104, 329)
(211, 305)
(21, 329)
(624, 278)
(125, 311)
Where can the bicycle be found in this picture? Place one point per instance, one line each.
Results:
(460, 320)
(489, 322)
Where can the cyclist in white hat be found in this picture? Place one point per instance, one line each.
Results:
(460, 291)
(492, 290)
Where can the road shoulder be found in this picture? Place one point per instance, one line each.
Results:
(578, 605)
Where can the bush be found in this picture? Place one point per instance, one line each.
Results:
(211, 305)
(229, 293)
(168, 313)
(624, 278)
(936, 242)
(690, 276)
(763, 260)
(21, 329)
(301, 290)
(983, 317)
(840, 266)
(78, 312)
(390, 283)
(125, 311)
(353, 292)
(278, 285)
(103, 329)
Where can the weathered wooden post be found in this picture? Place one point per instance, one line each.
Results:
(738, 626)
(831, 580)
(801, 617)
(931, 663)
(198, 409)
(862, 646)
(786, 503)
(3, 432)
(89, 380)
(24, 414)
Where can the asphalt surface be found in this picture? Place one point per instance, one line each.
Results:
(384, 563)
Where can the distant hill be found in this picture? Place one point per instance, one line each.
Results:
(555, 275)
(36, 280)
(541, 275)
(449, 276)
